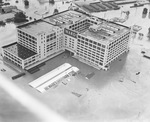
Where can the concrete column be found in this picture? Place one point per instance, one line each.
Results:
(23, 66)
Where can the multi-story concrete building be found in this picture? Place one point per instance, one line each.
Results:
(99, 45)
(92, 40)
(41, 38)
(19, 55)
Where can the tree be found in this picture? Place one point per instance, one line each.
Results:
(51, 1)
(56, 11)
(20, 17)
(2, 23)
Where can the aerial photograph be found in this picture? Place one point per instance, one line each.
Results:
(74, 60)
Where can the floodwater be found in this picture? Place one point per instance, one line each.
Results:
(121, 94)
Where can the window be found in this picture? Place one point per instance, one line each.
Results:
(103, 46)
(103, 50)
(100, 64)
(95, 42)
(99, 44)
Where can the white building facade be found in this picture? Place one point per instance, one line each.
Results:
(92, 40)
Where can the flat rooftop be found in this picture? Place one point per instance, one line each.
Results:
(19, 50)
(37, 27)
(104, 32)
(65, 18)
(91, 6)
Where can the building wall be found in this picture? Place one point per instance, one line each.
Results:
(70, 35)
(31, 60)
(15, 59)
(94, 20)
(80, 25)
(118, 47)
(59, 39)
(70, 40)
(51, 43)
(45, 44)
(27, 40)
(41, 45)
(91, 51)
(54, 42)
(18, 61)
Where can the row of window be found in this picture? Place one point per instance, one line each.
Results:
(117, 49)
(27, 38)
(81, 29)
(113, 54)
(30, 59)
(26, 35)
(87, 41)
(12, 57)
(19, 64)
(79, 23)
(31, 47)
(29, 62)
(119, 46)
(51, 44)
(27, 44)
(51, 35)
(92, 56)
(69, 42)
(91, 21)
(121, 42)
(52, 38)
(87, 59)
(111, 58)
(92, 53)
(91, 47)
(26, 41)
(95, 52)
(76, 27)
(123, 38)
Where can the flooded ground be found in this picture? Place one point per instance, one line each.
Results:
(120, 94)
(12, 110)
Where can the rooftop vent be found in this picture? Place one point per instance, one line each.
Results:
(94, 28)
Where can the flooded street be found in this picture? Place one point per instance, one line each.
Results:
(121, 94)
